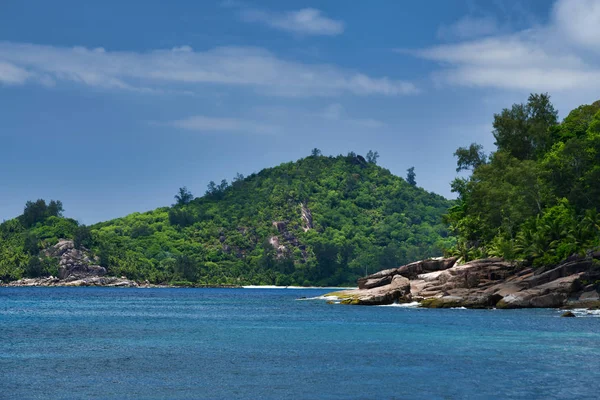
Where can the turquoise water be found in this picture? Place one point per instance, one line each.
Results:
(101, 343)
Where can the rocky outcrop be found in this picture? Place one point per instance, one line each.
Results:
(397, 289)
(485, 283)
(76, 268)
(109, 281)
(306, 218)
(74, 262)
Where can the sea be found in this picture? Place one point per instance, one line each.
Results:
(114, 343)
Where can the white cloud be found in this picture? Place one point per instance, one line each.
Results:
(579, 20)
(307, 21)
(559, 56)
(11, 74)
(469, 27)
(155, 70)
(211, 124)
(336, 112)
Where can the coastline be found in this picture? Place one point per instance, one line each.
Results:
(123, 282)
(484, 283)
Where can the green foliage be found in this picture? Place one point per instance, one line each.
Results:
(254, 231)
(537, 196)
(524, 130)
(470, 157)
(38, 211)
(364, 219)
(82, 237)
(183, 197)
(411, 176)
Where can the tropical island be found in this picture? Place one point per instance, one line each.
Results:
(525, 225)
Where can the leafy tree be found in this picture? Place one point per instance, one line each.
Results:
(238, 178)
(82, 237)
(185, 268)
(523, 131)
(411, 176)
(34, 212)
(32, 244)
(183, 197)
(181, 217)
(372, 157)
(315, 152)
(470, 157)
(34, 267)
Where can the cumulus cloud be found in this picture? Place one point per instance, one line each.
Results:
(307, 21)
(156, 70)
(234, 125)
(561, 55)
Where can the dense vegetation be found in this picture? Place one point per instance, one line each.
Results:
(328, 220)
(252, 231)
(537, 196)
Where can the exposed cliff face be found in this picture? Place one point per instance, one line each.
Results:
(486, 283)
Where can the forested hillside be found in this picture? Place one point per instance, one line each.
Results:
(537, 196)
(318, 221)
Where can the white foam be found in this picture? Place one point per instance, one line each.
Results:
(297, 287)
(414, 304)
(584, 312)
(325, 297)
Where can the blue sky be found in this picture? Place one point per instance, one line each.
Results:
(111, 106)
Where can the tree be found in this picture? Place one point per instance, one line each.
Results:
(183, 197)
(372, 157)
(34, 212)
(223, 185)
(34, 267)
(31, 245)
(211, 188)
(55, 208)
(315, 152)
(181, 217)
(523, 131)
(82, 237)
(470, 158)
(238, 178)
(185, 268)
(38, 211)
(410, 176)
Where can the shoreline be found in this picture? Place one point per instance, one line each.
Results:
(109, 281)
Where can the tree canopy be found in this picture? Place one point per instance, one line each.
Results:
(536, 197)
(318, 221)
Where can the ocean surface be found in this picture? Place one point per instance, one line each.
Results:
(104, 343)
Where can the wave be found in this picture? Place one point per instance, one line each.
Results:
(584, 312)
(414, 304)
(324, 297)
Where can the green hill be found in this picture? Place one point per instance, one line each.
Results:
(317, 221)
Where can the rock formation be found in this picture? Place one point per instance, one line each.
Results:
(485, 283)
(74, 263)
(76, 268)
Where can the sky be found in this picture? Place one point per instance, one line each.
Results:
(111, 106)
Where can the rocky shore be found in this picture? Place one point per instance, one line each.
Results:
(109, 281)
(485, 283)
